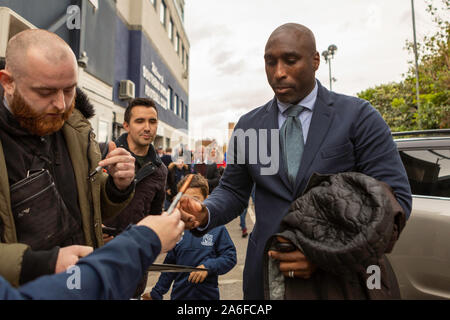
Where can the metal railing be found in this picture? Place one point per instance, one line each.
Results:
(422, 132)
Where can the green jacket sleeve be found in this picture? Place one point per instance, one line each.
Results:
(110, 208)
(11, 261)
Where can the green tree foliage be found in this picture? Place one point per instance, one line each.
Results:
(397, 102)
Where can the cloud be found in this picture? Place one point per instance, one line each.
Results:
(228, 38)
(200, 33)
(232, 68)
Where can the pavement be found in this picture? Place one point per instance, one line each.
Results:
(230, 284)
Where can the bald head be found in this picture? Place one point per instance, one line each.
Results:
(36, 42)
(291, 60)
(298, 32)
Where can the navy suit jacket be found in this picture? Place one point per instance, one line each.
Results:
(345, 134)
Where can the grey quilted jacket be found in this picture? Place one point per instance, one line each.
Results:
(344, 224)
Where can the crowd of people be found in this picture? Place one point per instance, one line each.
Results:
(65, 200)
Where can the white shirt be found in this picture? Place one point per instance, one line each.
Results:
(305, 116)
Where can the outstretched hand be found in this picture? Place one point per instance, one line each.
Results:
(193, 212)
(168, 228)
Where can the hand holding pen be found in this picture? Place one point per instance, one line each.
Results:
(120, 166)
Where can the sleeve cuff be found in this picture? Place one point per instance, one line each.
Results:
(207, 225)
(116, 195)
(38, 263)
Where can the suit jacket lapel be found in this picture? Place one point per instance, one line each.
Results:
(271, 122)
(320, 123)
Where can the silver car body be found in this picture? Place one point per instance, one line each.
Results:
(421, 257)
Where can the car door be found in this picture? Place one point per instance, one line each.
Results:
(421, 257)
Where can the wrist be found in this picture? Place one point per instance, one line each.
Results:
(205, 216)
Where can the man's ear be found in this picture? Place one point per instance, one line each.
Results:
(7, 82)
(126, 126)
(316, 59)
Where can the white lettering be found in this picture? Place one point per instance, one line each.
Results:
(73, 17)
(373, 282)
(194, 310)
(74, 281)
(159, 96)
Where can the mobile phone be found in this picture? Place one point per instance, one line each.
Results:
(284, 247)
(110, 231)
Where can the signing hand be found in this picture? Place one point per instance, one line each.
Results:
(193, 213)
(167, 227)
(198, 276)
(293, 261)
(69, 256)
(120, 165)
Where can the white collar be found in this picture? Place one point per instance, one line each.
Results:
(307, 102)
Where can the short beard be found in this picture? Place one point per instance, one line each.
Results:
(35, 122)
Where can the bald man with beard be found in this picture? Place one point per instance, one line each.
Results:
(334, 133)
(45, 136)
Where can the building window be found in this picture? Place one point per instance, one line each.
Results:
(170, 98)
(186, 113)
(170, 30)
(186, 67)
(177, 107)
(103, 131)
(162, 13)
(182, 109)
(182, 54)
(177, 43)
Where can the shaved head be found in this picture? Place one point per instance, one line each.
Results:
(35, 42)
(39, 80)
(301, 33)
(291, 60)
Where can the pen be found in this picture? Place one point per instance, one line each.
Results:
(93, 173)
(180, 193)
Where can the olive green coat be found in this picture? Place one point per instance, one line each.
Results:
(93, 201)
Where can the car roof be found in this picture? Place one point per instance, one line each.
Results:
(423, 142)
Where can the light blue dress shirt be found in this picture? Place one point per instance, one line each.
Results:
(305, 116)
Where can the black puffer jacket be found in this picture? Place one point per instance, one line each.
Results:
(343, 224)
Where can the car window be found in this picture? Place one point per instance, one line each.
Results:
(428, 171)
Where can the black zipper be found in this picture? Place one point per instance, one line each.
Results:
(90, 181)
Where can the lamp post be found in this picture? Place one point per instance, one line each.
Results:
(328, 55)
(415, 54)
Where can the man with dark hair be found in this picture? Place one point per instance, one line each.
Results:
(142, 102)
(319, 132)
(141, 124)
(47, 152)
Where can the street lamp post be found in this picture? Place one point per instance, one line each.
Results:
(328, 55)
(415, 54)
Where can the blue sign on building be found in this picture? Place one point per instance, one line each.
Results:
(137, 60)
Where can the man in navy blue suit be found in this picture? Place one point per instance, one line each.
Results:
(338, 133)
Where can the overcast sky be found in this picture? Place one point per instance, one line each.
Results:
(227, 40)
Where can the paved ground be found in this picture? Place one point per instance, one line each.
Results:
(230, 284)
